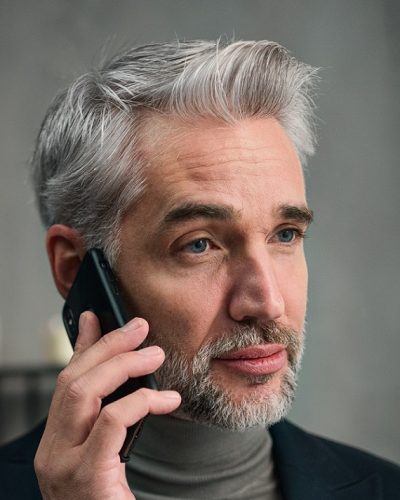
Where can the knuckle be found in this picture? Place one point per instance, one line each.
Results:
(121, 358)
(106, 341)
(79, 347)
(145, 395)
(64, 376)
(38, 464)
(42, 467)
(109, 416)
(75, 390)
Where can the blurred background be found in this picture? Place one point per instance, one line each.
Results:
(349, 388)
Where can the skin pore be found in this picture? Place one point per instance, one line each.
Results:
(212, 257)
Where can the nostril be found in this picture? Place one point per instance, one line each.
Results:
(249, 321)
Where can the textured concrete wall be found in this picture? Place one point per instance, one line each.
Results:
(350, 386)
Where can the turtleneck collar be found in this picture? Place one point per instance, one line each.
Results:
(176, 458)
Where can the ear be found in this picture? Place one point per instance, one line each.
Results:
(65, 249)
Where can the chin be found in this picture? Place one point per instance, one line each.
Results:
(258, 403)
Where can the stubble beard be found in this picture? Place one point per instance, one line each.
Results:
(205, 400)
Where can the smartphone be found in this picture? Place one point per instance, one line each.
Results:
(96, 289)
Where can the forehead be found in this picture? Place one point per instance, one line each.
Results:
(205, 156)
(251, 168)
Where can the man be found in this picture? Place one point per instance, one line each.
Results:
(183, 163)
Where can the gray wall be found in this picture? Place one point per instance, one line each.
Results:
(350, 385)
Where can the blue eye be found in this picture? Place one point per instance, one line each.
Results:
(287, 235)
(198, 246)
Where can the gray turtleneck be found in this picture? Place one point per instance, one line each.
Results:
(176, 458)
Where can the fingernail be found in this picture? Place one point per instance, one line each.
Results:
(82, 320)
(171, 395)
(133, 324)
(153, 350)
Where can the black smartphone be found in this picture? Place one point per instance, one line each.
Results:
(96, 289)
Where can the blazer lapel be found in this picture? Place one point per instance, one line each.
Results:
(308, 469)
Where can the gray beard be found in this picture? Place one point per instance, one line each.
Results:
(207, 402)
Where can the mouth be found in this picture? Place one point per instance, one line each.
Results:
(256, 360)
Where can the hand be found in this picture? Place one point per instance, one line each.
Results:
(78, 455)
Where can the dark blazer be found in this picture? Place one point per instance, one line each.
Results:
(308, 467)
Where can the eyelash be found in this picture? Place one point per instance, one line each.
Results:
(197, 240)
(298, 235)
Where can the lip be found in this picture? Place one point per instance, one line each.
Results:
(256, 360)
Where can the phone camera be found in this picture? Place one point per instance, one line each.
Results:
(70, 318)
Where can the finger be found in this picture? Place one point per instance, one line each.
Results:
(105, 378)
(124, 339)
(109, 431)
(89, 332)
(82, 399)
(114, 343)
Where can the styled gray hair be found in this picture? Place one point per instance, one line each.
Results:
(88, 166)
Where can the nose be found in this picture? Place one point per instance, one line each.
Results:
(255, 292)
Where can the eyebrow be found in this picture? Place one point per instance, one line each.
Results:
(296, 213)
(191, 211)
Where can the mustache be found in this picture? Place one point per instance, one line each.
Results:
(242, 336)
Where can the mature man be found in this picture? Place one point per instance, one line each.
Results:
(182, 162)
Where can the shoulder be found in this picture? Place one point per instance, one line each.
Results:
(312, 443)
(335, 461)
(17, 475)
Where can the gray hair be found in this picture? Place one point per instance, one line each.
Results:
(88, 167)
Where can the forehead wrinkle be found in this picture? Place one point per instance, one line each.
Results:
(211, 171)
(223, 156)
(224, 148)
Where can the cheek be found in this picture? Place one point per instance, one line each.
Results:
(293, 284)
(181, 311)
